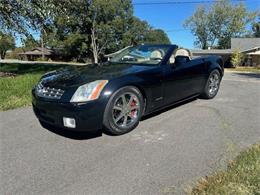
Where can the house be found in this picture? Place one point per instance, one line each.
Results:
(250, 47)
(36, 53)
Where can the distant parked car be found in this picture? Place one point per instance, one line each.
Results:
(135, 82)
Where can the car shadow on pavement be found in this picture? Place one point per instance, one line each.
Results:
(250, 75)
(76, 135)
(156, 113)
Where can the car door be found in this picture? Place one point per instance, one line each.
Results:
(182, 79)
(153, 85)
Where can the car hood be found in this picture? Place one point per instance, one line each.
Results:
(78, 75)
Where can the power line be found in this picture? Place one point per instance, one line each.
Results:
(176, 30)
(182, 2)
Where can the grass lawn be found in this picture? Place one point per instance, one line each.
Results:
(245, 69)
(242, 176)
(16, 90)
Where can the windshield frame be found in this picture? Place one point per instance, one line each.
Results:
(169, 49)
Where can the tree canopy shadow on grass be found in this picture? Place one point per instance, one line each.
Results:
(21, 69)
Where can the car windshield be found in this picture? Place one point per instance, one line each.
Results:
(142, 54)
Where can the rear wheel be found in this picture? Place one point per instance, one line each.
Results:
(212, 85)
(123, 111)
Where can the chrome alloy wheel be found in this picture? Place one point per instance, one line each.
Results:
(126, 110)
(214, 82)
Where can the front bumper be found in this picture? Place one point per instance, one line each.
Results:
(88, 116)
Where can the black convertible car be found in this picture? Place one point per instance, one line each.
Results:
(115, 95)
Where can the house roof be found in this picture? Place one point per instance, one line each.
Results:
(251, 51)
(212, 51)
(37, 51)
(255, 53)
(243, 44)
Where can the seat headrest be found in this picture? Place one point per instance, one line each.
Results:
(157, 54)
(182, 52)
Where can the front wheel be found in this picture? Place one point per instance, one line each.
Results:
(123, 111)
(212, 85)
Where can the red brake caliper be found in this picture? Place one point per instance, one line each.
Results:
(133, 112)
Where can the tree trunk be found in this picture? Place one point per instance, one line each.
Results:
(94, 46)
(95, 59)
(2, 55)
(42, 44)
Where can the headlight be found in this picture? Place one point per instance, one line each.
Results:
(89, 91)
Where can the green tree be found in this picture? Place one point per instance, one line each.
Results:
(156, 36)
(22, 16)
(74, 47)
(141, 32)
(29, 43)
(101, 26)
(109, 20)
(256, 29)
(198, 23)
(136, 32)
(6, 43)
(11, 16)
(79, 29)
(216, 25)
(100, 23)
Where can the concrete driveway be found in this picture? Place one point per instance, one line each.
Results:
(168, 152)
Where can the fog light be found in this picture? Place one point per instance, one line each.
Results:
(69, 122)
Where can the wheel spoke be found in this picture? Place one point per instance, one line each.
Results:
(216, 82)
(124, 100)
(119, 117)
(116, 107)
(126, 109)
(213, 83)
(131, 116)
(125, 121)
(130, 100)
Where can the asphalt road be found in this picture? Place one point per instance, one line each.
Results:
(168, 152)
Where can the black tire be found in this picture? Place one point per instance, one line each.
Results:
(208, 92)
(109, 122)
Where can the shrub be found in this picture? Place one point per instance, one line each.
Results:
(237, 58)
(40, 59)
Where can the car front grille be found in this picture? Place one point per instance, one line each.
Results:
(48, 92)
